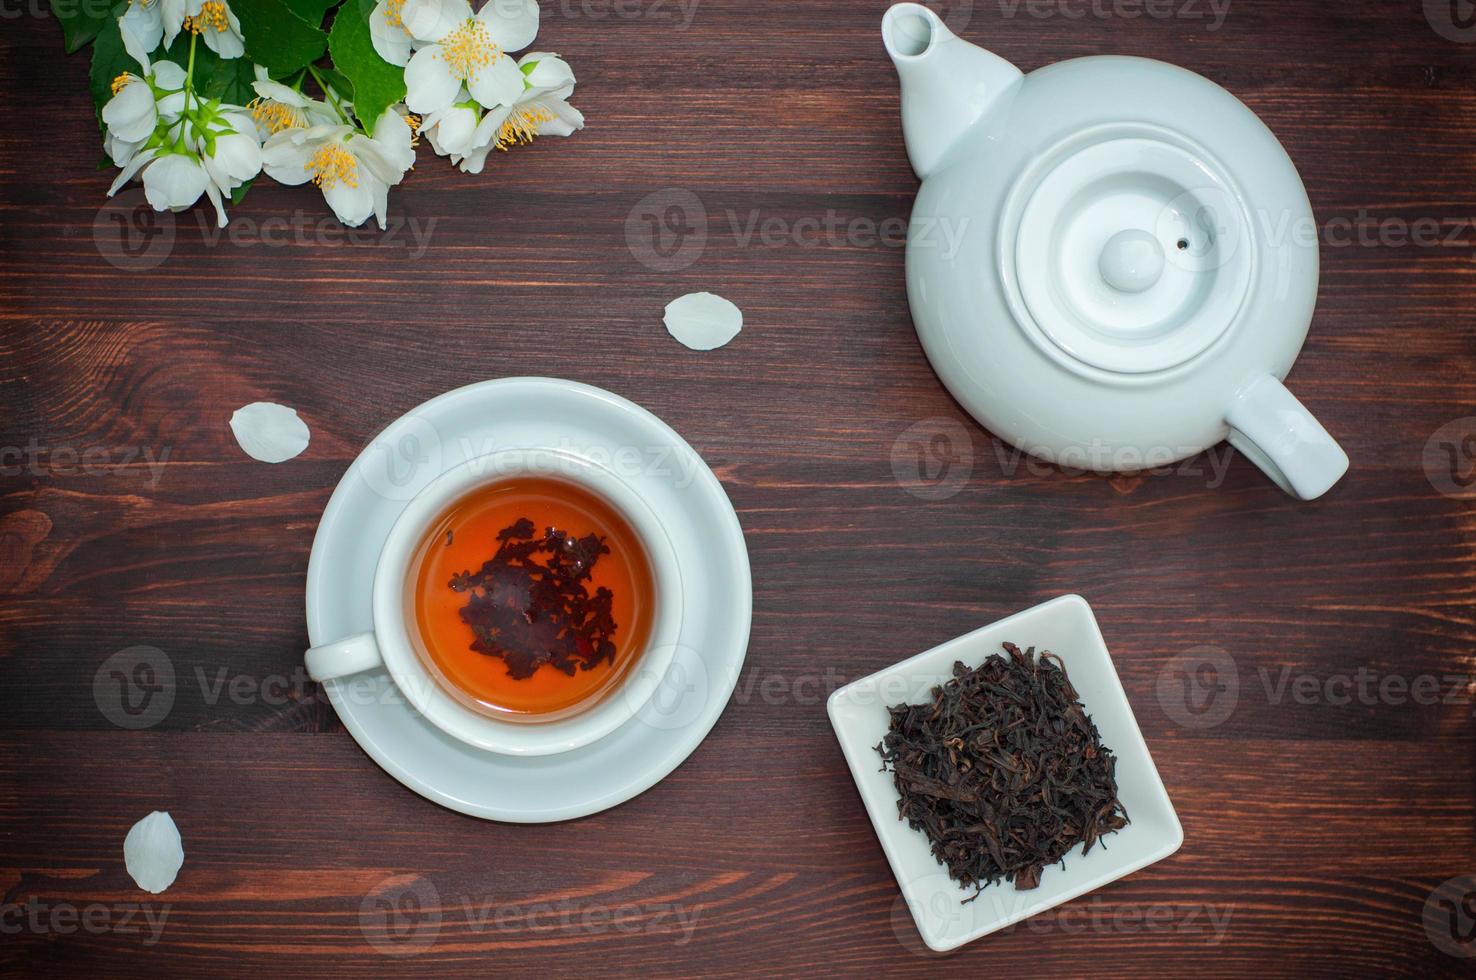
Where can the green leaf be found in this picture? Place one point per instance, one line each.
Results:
(277, 38)
(239, 194)
(228, 80)
(311, 11)
(377, 83)
(81, 20)
(341, 85)
(109, 60)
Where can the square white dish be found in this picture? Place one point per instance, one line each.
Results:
(1066, 627)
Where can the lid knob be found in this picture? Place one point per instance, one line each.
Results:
(1131, 261)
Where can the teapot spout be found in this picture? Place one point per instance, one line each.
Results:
(948, 84)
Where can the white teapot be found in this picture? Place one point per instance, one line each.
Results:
(1112, 262)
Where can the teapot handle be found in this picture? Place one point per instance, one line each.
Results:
(1278, 434)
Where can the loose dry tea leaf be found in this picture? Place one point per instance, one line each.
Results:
(530, 603)
(1003, 770)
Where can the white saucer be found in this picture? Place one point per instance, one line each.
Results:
(718, 593)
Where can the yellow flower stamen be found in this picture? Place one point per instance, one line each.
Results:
(392, 16)
(413, 121)
(212, 14)
(121, 82)
(469, 49)
(521, 126)
(276, 116)
(332, 165)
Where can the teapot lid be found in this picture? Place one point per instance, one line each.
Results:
(1129, 248)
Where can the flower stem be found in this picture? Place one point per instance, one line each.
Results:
(332, 97)
(189, 92)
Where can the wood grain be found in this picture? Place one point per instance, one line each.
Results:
(1315, 829)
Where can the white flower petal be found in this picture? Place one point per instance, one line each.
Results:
(286, 155)
(352, 204)
(391, 41)
(119, 151)
(237, 159)
(513, 24)
(133, 166)
(153, 852)
(277, 92)
(380, 193)
(168, 75)
(213, 192)
(270, 432)
(228, 44)
(500, 83)
(431, 20)
(483, 140)
(142, 30)
(174, 182)
(130, 115)
(450, 131)
(549, 73)
(703, 321)
(429, 84)
(566, 119)
(392, 146)
(172, 13)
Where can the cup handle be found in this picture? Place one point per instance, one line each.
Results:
(347, 656)
(1278, 434)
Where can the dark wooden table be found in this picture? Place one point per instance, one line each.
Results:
(1321, 814)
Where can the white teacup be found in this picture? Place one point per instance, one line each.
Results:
(390, 645)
